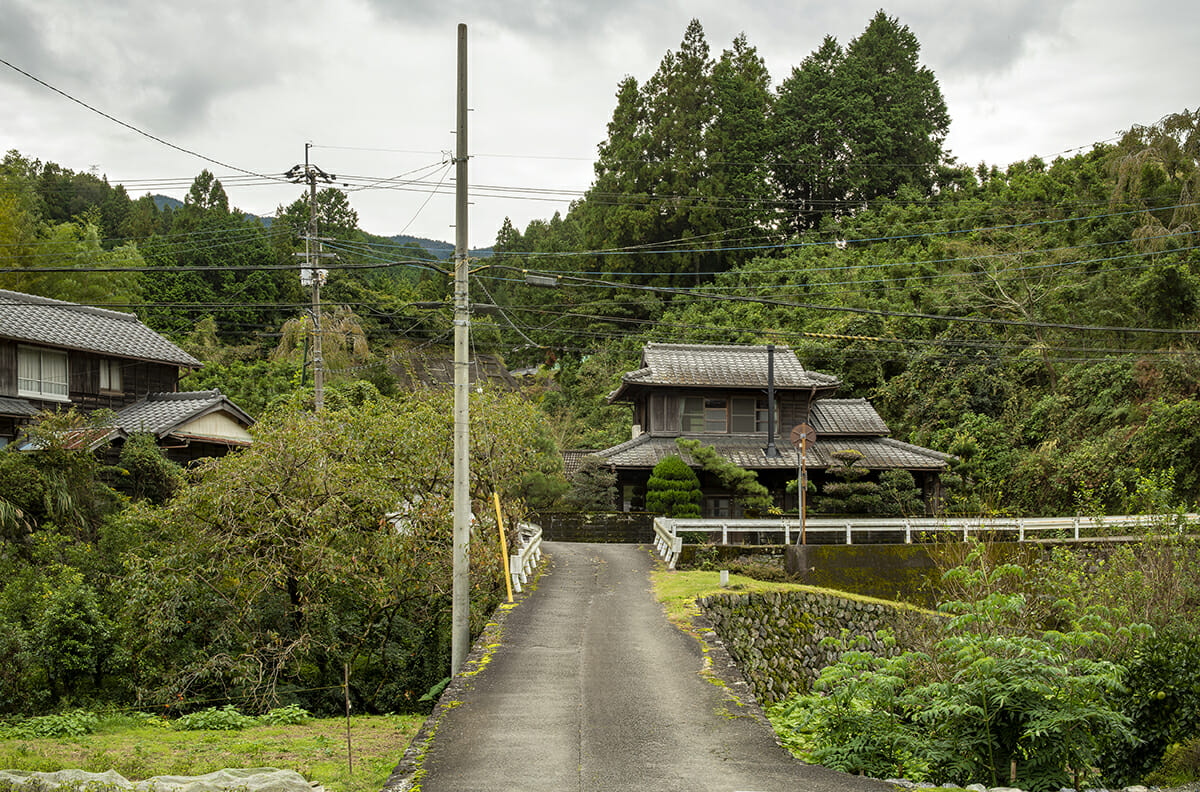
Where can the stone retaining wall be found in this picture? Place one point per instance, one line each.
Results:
(776, 637)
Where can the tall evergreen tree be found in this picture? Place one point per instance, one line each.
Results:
(737, 145)
(856, 125)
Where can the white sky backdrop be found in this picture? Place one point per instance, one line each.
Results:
(249, 83)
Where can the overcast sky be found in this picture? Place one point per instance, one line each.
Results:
(371, 84)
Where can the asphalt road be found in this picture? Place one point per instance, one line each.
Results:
(591, 688)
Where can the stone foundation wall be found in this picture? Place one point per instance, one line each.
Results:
(776, 637)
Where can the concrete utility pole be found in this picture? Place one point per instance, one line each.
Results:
(460, 635)
(311, 274)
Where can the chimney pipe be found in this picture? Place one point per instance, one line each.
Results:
(771, 451)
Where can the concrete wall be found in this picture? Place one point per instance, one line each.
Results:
(776, 637)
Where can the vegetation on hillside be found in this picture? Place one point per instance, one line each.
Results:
(1038, 320)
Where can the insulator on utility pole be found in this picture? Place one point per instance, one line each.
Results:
(310, 274)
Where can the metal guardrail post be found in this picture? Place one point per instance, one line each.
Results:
(1076, 524)
(907, 532)
(724, 533)
(849, 527)
(1021, 530)
(787, 533)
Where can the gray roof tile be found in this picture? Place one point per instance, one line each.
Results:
(846, 417)
(161, 413)
(879, 453)
(40, 320)
(11, 406)
(705, 365)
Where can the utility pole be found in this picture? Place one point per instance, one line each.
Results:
(311, 274)
(460, 627)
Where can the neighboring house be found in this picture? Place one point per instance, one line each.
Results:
(55, 355)
(718, 395)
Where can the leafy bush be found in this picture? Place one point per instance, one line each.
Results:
(224, 719)
(1162, 699)
(984, 696)
(290, 715)
(149, 475)
(70, 724)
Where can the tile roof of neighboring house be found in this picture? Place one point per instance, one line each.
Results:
(846, 417)
(433, 369)
(878, 453)
(705, 365)
(161, 413)
(573, 459)
(11, 406)
(40, 320)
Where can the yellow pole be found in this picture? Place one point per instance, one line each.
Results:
(803, 486)
(503, 546)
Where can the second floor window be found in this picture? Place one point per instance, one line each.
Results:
(42, 373)
(715, 415)
(110, 375)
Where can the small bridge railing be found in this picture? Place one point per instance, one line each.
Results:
(668, 541)
(527, 550)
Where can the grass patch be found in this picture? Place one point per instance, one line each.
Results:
(315, 750)
(678, 591)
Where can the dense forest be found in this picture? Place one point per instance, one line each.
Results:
(1038, 320)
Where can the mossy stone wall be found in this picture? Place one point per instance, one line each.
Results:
(776, 637)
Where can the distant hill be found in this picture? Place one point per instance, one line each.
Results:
(440, 250)
(165, 201)
(437, 249)
(174, 204)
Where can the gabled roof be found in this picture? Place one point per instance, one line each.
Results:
(879, 453)
(846, 417)
(728, 366)
(170, 413)
(54, 323)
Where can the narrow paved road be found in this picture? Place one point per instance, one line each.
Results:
(592, 689)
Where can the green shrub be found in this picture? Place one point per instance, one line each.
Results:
(224, 719)
(70, 724)
(286, 716)
(1162, 698)
(673, 489)
(1180, 765)
(987, 694)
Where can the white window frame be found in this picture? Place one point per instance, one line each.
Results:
(33, 378)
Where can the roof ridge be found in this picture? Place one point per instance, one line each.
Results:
(37, 299)
(183, 395)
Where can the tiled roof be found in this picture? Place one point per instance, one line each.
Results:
(162, 412)
(572, 460)
(705, 365)
(846, 417)
(10, 406)
(879, 453)
(39, 320)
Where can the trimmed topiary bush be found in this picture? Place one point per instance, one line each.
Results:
(673, 489)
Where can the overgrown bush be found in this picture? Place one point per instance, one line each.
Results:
(986, 695)
(226, 718)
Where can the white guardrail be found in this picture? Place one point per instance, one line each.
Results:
(668, 542)
(527, 552)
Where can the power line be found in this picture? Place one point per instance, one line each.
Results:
(131, 127)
